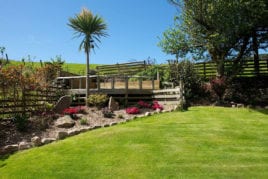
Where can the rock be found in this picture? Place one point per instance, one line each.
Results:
(113, 124)
(36, 141)
(106, 125)
(65, 122)
(266, 107)
(240, 105)
(158, 110)
(24, 145)
(147, 114)
(47, 140)
(74, 132)
(63, 103)
(62, 135)
(96, 127)
(113, 105)
(9, 149)
(233, 106)
(163, 111)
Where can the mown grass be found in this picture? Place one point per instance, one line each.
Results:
(205, 142)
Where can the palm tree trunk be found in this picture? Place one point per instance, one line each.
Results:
(87, 77)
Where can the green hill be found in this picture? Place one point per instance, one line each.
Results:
(70, 67)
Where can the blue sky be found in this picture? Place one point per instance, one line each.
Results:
(39, 28)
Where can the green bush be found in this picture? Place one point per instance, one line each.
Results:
(20, 121)
(97, 100)
(83, 121)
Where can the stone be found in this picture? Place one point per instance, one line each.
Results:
(73, 132)
(47, 140)
(96, 127)
(62, 135)
(65, 122)
(36, 141)
(233, 106)
(24, 145)
(113, 124)
(266, 107)
(113, 105)
(9, 149)
(158, 110)
(106, 125)
(147, 114)
(63, 103)
(240, 105)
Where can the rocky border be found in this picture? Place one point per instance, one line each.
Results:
(37, 141)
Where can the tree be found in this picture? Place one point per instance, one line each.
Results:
(174, 41)
(91, 28)
(224, 28)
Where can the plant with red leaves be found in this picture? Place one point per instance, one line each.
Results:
(143, 104)
(132, 110)
(156, 105)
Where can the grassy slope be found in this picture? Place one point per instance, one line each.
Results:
(205, 142)
(71, 67)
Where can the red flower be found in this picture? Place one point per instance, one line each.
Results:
(132, 110)
(156, 105)
(143, 104)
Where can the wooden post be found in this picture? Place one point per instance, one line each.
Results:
(126, 90)
(153, 83)
(98, 82)
(112, 82)
(140, 83)
(80, 83)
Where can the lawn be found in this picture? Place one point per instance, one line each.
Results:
(205, 142)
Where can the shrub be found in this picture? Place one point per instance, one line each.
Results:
(120, 116)
(97, 100)
(132, 110)
(156, 105)
(107, 113)
(20, 121)
(143, 104)
(71, 111)
(219, 85)
(83, 121)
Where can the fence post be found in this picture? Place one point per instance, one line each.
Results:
(204, 69)
(126, 90)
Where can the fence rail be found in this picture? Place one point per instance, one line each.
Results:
(27, 101)
(209, 69)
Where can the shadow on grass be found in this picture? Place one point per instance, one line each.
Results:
(2, 159)
(264, 111)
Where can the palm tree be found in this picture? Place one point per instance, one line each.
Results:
(91, 28)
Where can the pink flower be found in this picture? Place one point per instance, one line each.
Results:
(132, 110)
(156, 105)
(143, 104)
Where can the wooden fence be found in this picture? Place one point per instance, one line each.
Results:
(122, 68)
(209, 69)
(28, 101)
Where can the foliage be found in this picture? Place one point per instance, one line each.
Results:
(132, 110)
(205, 142)
(219, 85)
(83, 121)
(223, 28)
(16, 81)
(97, 100)
(107, 113)
(156, 106)
(143, 104)
(174, 41)
(192, 83)
(20, 121)
(91, 28)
